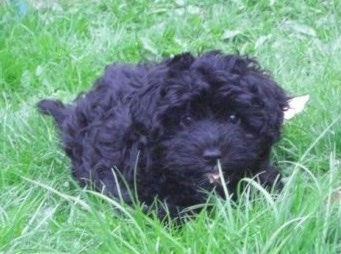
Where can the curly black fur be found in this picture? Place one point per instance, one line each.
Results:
(164, 126)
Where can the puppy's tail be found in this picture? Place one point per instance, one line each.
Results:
(53, 108)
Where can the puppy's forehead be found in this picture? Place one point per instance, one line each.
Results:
(235, 81)
(210, 89)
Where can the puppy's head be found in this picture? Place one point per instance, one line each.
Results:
(196, 111)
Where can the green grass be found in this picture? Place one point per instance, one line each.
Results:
(58, 50)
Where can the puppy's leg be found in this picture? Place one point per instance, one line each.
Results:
(270, 177)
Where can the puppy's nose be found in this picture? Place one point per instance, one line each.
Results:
(212, 154)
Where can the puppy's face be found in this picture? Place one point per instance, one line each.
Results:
(195, 138)
(211, 108)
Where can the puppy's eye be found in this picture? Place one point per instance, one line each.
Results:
(186, 120)
(233, 118)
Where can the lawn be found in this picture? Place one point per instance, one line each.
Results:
(58, 48)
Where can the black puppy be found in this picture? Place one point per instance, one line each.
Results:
(161, 128)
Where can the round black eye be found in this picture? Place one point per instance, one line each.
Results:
(186, 120)
(233, 118)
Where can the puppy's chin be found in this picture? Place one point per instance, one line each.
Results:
(213, 175)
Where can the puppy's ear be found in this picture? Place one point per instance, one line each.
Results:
(262, 100)
(275, 102)
(160, 92)
(144, 108)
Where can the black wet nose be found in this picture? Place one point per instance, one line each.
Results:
(212, 154)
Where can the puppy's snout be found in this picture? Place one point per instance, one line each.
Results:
(212, 155)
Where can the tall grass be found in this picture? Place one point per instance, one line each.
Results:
(58, 48)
